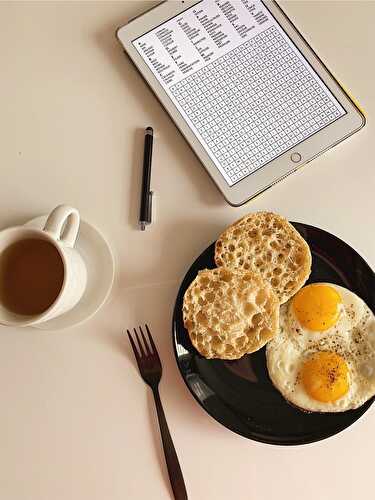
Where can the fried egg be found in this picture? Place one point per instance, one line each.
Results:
(323, 358)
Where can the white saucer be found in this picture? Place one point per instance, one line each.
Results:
(100, 265)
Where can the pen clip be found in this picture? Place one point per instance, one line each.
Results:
(150, 196)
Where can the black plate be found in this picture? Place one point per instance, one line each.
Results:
(239, 394)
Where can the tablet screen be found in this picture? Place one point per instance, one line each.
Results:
(240, 83)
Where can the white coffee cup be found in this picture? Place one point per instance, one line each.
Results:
(61, 230)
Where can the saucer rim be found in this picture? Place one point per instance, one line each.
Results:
(44, 325)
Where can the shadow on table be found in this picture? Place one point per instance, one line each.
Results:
(17, 220)
(178, 245)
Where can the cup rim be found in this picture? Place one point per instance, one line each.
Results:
(37, 318)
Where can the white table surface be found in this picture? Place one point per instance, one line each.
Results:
(76, 421)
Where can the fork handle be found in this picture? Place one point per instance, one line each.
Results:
(174, 469)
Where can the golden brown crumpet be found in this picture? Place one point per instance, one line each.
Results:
(230, 313)
(265, 242)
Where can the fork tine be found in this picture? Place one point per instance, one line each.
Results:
(133, 346)
(155, 351)
(145, 343)
(139, 343)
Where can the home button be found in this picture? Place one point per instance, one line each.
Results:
(295, 157)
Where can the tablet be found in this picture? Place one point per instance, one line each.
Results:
(243, 86)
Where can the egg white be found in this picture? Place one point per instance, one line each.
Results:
(352, 337)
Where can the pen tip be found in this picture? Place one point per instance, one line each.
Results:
(143, 226)
(149, 130)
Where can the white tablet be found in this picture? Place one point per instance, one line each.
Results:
(248, 93)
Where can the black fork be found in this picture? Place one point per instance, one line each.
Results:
(150, 368)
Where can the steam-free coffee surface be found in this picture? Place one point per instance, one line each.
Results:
(31, 276)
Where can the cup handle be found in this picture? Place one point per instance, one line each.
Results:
(57, 218)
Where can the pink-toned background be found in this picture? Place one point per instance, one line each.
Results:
(76, 421)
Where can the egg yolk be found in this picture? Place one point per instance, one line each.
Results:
(325, 376)
(317, 307)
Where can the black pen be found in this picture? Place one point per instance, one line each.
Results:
(146, 195)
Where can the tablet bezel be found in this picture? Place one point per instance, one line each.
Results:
(282, 166)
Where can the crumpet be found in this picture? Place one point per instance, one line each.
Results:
(266, 243)
(230, 313)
